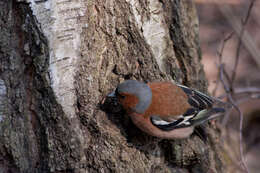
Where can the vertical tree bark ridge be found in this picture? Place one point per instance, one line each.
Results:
(35, 134)
(44, 129)
(184, 29)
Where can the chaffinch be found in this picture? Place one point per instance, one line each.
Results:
(164, 109)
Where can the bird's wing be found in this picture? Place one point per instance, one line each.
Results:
(170, 124)
(201, 110)
(190, 118)
(197, 99)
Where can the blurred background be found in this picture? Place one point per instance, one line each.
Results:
(220, 24)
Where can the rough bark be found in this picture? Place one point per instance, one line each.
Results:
(51, 90)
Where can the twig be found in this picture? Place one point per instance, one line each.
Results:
(246, 90)
(238, 102)
(220, 55)
(247, 40)
(244, 22)
(253, 91)
(246, 99)
(227, 89)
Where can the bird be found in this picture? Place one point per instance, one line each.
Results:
(165, 109)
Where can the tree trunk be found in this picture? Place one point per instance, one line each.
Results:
(60, 58)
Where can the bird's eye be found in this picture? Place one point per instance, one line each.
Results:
(119, 95)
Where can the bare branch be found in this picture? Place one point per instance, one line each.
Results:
(246, 90)
(227, 81)
(246, 99)
(253, 91)
(230, 99)
(244, 22)
(220, 55)
(247, 40)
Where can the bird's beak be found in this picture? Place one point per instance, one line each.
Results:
(112, 94)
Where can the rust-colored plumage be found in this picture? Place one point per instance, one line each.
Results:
(128, 101)
(168, 100)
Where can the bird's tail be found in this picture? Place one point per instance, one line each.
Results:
(218, 109)
(219, 104)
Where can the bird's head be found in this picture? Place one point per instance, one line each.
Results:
(133, 95)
